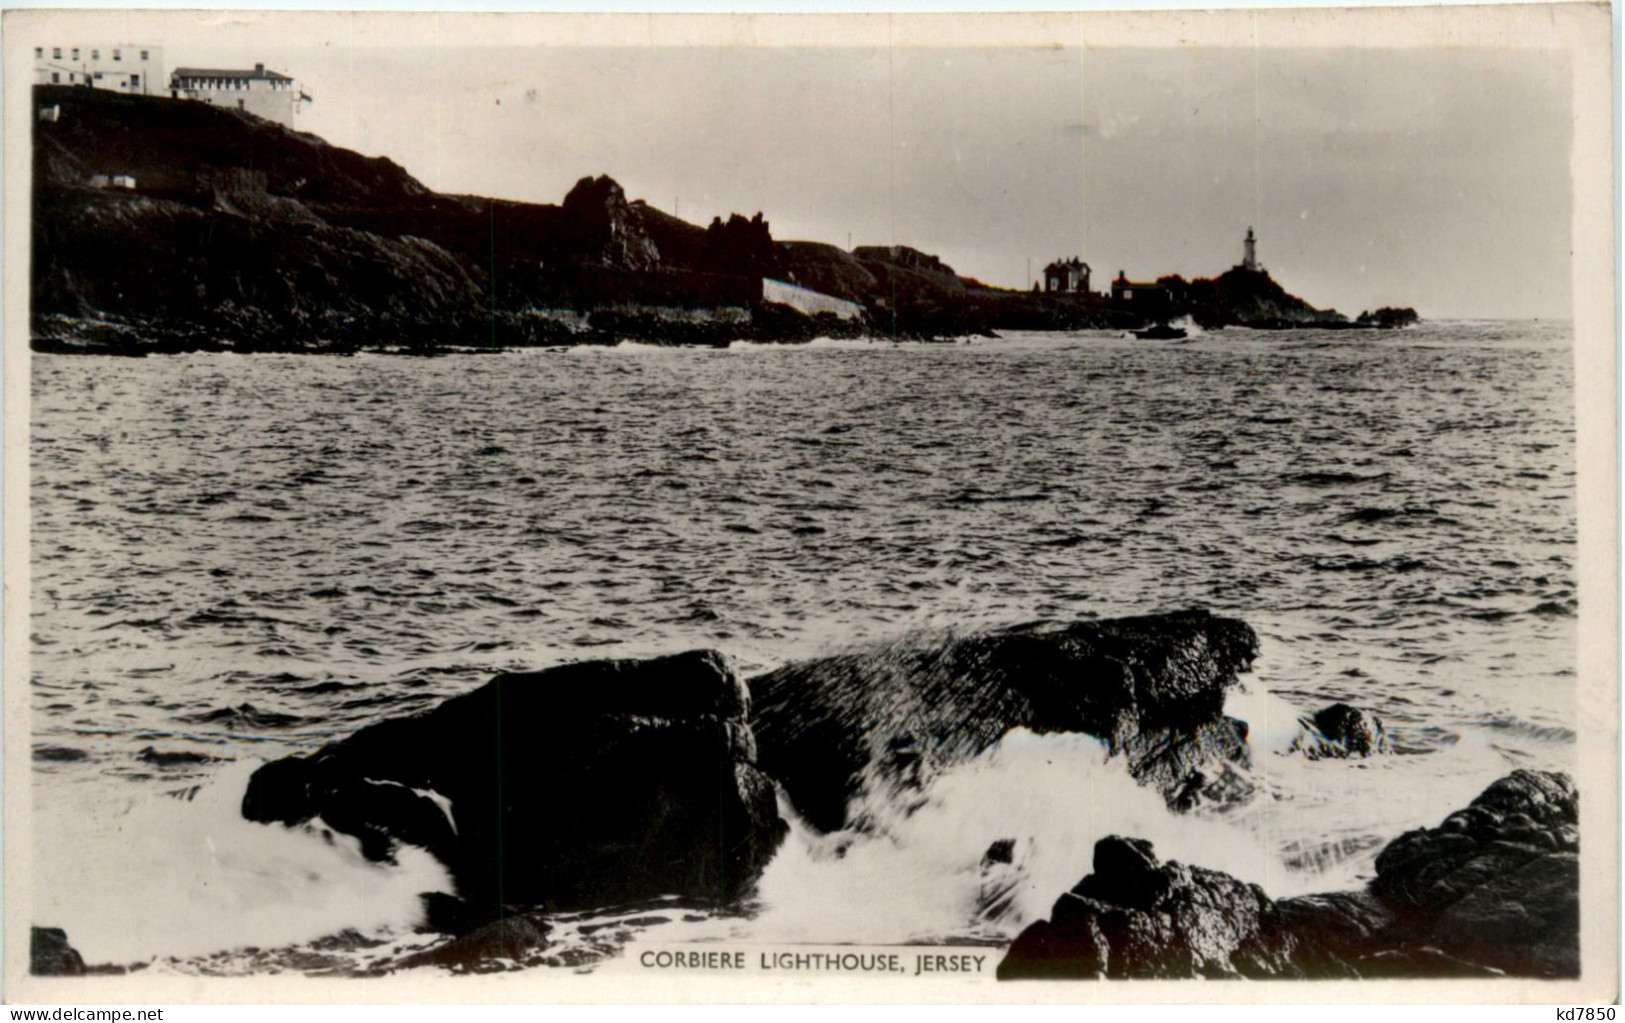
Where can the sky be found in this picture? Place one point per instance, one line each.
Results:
(1433, 178)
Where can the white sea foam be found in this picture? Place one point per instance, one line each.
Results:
(168, 876)
(919, 875)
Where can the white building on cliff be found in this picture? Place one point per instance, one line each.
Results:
(131, 69)
(268, 94)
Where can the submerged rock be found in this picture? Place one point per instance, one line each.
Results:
(511, 938)
(584, 785)
(50, 955)
(1340, 731)
(885, 721)
(1475, 896)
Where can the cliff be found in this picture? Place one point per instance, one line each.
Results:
(243, 234)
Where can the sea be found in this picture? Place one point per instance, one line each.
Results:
(235, 558)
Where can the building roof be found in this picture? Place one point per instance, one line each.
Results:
(209, 72)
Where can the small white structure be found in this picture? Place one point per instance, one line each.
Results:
(268, 94)
(131, 69)
(52, 113)
(808, 301)
(123, 181)
(98, 181)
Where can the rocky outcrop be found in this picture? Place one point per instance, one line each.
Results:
(598, 225)
(585, 785)
(882, 722)
(50, 955)
(1498, 882)
(1388, 318)
(1340, 731)
(1494, 889)
(1252, 298)
(1135, 917)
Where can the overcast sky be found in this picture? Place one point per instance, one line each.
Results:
(1437, 179)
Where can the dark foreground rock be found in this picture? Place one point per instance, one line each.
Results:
(584, 785)
(885, 721)
(1494, 889)
(50, 955)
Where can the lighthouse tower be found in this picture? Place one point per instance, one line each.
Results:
(1249, 258)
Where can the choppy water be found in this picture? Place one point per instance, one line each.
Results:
(239, 557)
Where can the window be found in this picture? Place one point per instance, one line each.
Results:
(135, 81)
(71, 77)
(56, 77)
(39, 53)
(116, 56)
(56, 53)
(95, 55)
(76, 53)
(143, 54)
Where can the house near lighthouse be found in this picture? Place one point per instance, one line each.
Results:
(1067, 277)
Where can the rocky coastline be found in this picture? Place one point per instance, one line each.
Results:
(242, 235)
(619, 782)
(1493, 890)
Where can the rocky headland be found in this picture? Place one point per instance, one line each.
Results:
(239, 234)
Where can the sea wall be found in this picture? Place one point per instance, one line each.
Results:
(807, 301)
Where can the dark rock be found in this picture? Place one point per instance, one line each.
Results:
(1332, 930)
(601, 226)
(584, 785)
(885, 721)
(1455, 901)
(1545, 797)
(1522, 920)
(1388, 318)
(512, 938)
(1137, 918)
(59, 754)
(172, 758)
(50, 955)
(1341, 731)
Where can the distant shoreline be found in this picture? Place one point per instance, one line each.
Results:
(168, 225)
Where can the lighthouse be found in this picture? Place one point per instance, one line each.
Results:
(1249, 257)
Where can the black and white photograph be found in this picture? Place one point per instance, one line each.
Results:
(810, 507)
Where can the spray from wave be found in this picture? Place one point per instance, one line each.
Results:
(987, 849)
(167, 876)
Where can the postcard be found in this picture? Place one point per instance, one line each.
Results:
(811, 508)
